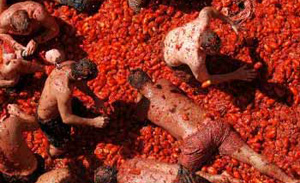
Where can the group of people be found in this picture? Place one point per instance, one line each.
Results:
(160, 102)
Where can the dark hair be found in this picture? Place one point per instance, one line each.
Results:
(105, 174)
(210, 41)
(84, 69)
(138, 78)
(20, 20)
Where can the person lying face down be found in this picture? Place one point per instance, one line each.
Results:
(167, 107)
(13, 65)
(191, 43)
(55, 113)
(17, 162)
(27, 18)
(82, 5)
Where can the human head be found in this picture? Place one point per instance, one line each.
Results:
(210, 42)
(105, 174)
(138, 78)
(55, 56)
(85, 70)
(20, 21)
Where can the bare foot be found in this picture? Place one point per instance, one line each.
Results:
(13, 109)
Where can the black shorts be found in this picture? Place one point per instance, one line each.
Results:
(185, 176)
(28, 179)
(57, 132)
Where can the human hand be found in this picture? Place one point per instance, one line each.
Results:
(30, 48)
(100, 122)
(226, 178)
(244, 74)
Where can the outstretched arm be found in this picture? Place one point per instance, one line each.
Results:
(8, 83)
(82, 86)
(27, 67)
(65, 110)
(201, 74)
(14, 44)
(209, 12)
(224, 177)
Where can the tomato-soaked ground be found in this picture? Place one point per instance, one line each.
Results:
(265, 112)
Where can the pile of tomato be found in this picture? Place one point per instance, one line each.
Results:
(265, 112)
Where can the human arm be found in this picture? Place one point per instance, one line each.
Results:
(14, 44)
(224, 177)
(83, 87)
(28, 67)
(200, 72)
(209, 12)
(65, 109)
(8, 83)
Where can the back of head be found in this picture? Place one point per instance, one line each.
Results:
(210, 42)
(138, 78)
(85, 69)
(20, 20)
(105, 174)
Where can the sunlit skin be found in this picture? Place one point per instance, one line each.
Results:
(16, 159)
(61, 175)
(167, 107)
(56, 100)
(39, 18)
(182, 45)
(13, 66)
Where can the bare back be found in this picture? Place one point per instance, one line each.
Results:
(57, 82)
(34, 10)
(181, 45)
(147, 171)
(15, 156)
(172, 110)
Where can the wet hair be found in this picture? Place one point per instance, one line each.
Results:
(20, 20)
(210, 41)
(138, 78)
(84, 69)
(105, 174)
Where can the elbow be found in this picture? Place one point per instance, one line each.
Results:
(67, 119)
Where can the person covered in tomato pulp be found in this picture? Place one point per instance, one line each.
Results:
(58, 109)
(167, 107)
(28, 18)
(191, 43)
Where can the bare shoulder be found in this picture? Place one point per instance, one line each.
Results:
(59, 82)
(56, 176)
(39, 11)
